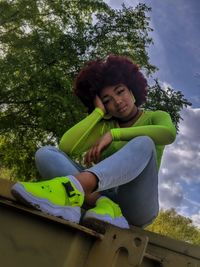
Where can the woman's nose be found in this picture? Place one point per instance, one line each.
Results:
(117, 100)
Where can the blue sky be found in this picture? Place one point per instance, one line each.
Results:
(176, 38)
(176, 52)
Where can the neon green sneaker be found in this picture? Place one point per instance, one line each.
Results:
(107, 211)
(58, 197)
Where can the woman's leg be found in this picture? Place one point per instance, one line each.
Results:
(119, 169)
(133, 170)
(51, 162)
(124, 165)
(138, 199)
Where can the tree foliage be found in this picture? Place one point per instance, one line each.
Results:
(168, 100)
(43, 44)
(171, 224)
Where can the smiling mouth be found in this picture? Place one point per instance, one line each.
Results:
(122, 109)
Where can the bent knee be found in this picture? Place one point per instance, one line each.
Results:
(144, 140)
(143, 144)
(43, 152)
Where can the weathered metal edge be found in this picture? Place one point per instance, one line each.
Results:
(22, 208)
(165, 242)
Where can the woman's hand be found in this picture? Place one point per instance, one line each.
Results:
(93, 155)
(99, 104)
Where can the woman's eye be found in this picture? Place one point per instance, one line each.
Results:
(120, 91)
(106, 101)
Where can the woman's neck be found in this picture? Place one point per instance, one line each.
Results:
(131, 120)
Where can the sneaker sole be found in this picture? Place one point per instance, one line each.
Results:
(99, 222)
(71, 214)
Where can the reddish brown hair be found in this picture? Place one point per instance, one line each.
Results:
(98, 74)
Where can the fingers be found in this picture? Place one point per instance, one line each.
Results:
(93, 155)
(88, 158)
(97, 153)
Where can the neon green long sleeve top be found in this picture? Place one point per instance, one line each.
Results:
(155, 124)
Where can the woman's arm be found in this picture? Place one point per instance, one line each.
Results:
(79, 132)
(161, 131)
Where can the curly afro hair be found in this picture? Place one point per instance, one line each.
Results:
(98, 74)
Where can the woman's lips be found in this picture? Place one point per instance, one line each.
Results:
(122, 109)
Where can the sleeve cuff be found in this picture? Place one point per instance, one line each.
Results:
(99, 111)
(115, 134)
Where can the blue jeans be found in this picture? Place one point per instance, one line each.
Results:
(129, 176)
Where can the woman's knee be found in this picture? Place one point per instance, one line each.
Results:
(44, 152)
(144, 141)
(142, 144)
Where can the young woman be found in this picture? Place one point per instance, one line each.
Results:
(118, 147)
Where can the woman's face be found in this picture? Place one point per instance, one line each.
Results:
(118, 101)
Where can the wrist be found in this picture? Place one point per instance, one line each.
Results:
(110, 134)
(100, 111)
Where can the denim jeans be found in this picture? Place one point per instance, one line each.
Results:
(129, 176)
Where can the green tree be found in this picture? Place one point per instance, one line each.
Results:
(43, 44)
(171, 224)
(168, 100)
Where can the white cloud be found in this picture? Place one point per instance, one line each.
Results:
(117, 4)
(196, 219)
(180, 169)
(171, 195)
(195, 203)
(182, 157)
